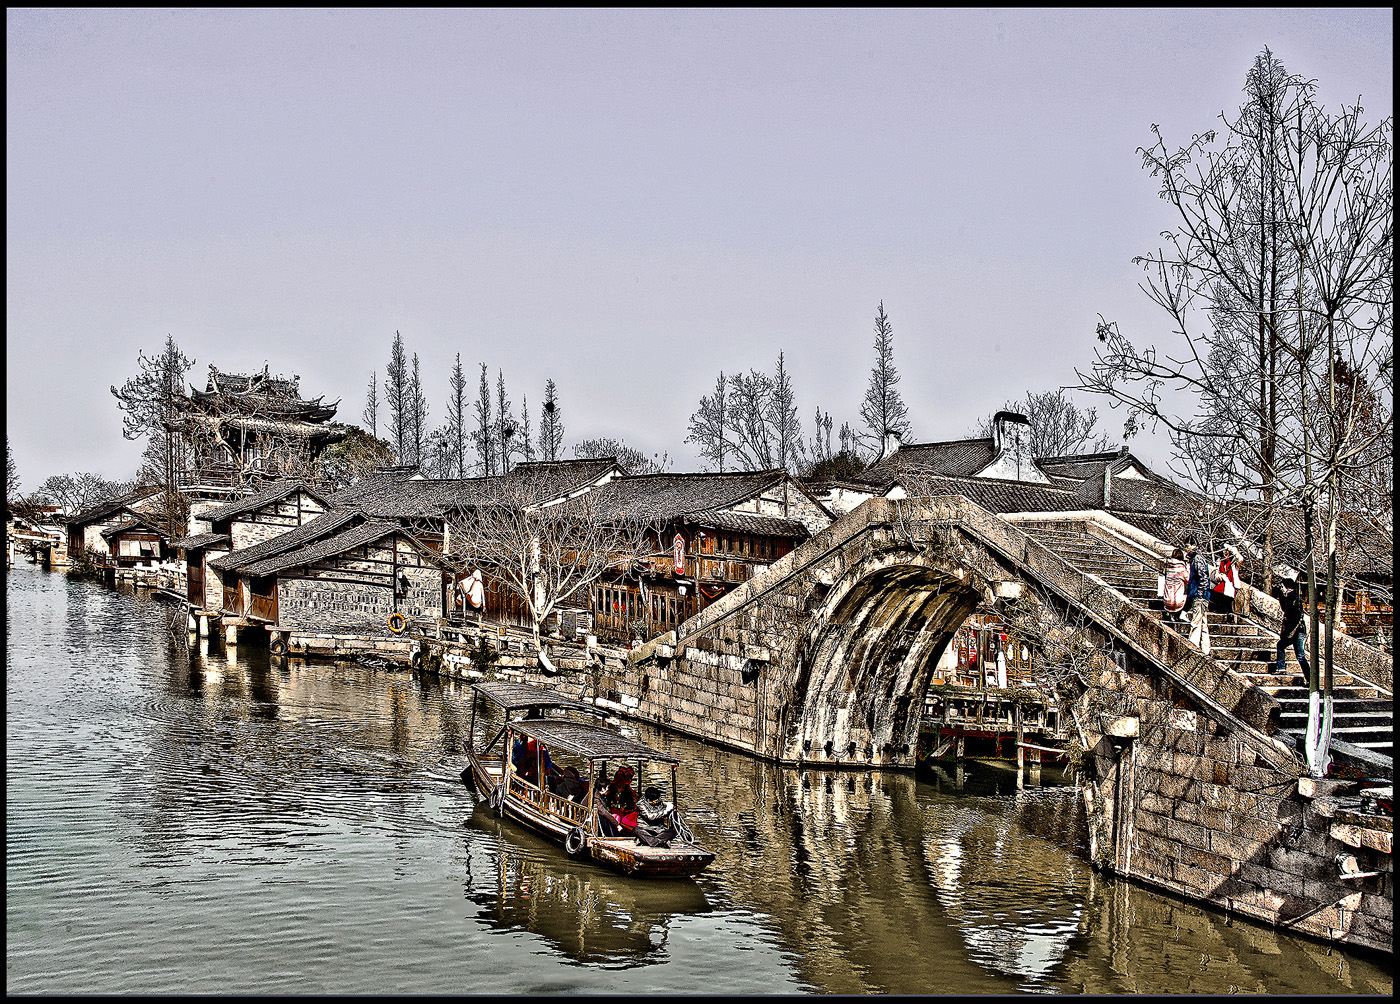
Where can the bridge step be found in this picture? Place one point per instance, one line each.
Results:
(1362, 714)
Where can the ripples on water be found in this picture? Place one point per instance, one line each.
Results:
(204, 823)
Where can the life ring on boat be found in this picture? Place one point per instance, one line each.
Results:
(496, 800)
(278, 647)
(397, 622)
(574, 842)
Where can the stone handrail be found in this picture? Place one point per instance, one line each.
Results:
(1365, 663)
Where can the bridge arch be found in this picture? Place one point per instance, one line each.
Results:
(866, 654)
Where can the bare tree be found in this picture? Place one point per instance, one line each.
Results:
(73, 493)
(883, 410)
(507, 432)
(751, 420)
(11, 473)
(151, 403)
(551, 424)
(782, 418)
(525, 436)
(630, 459)
(710, 425)
(819, 449)
(1059, 427)
(1281, 263)
(544, 555)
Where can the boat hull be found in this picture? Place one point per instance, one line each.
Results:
(623, 854)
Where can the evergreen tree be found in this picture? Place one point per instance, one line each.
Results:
(396, 396)
(371, 414)
(883, 410)
(418, 411)
(551, 424)
(484, 436)
(456, 428)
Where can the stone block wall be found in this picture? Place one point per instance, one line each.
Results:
(1191, 806)
(310, 604)
(273, 520)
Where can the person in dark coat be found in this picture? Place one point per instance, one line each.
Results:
(654, 819)
(1295, 630)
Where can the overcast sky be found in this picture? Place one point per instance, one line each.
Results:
(626, 202)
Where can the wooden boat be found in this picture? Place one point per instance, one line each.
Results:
(573, 734)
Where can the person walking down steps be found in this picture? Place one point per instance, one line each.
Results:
(1295, 629)
(1197, 598)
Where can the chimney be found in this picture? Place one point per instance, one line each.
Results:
(1011, 450)
(890, 444)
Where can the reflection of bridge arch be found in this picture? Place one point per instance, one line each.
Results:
(868, 652)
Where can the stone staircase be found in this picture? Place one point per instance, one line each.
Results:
(1363, 715)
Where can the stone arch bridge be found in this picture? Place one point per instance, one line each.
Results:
(823, 658)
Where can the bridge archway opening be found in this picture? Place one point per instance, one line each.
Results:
(867, 659)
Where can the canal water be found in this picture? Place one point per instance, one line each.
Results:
(198, 822)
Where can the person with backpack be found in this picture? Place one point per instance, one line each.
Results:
(1295, 629)
(1197, 588)
(1174, 579)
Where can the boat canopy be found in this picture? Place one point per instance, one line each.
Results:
(592, 742)
(512, 696)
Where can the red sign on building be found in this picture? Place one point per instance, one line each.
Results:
(678, 554)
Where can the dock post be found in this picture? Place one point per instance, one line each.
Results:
(1020, 750)
(230, 635)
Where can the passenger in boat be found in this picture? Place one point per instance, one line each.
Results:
(569, 784)
(654, 819)
(621, 800)
(528, 761)
(607, 826)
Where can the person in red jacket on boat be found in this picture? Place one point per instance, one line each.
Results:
(621, 800)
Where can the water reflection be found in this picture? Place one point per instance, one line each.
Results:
(224, 821)
(590, 914)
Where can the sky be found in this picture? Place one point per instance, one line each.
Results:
(627, 202)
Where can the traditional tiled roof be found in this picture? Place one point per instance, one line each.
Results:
(550, 478)
(322, 526)
(424, 498)
(1086, 466)
(954, 458)
(528, 483)
(112, 506)
(751, 523)
(995, 495)
(132, 524)
(661, 498)
(260, 394)
(200, 541)
(376, 482)
(339, 543)
(274, 492)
